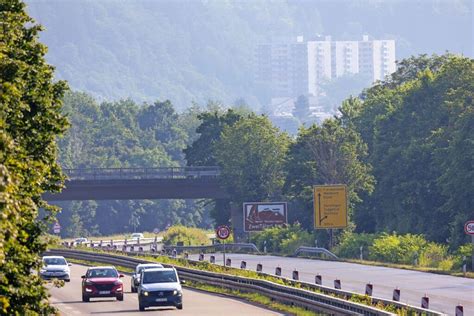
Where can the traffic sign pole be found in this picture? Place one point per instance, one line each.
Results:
(223, 232)
(223, 242)
(469, 229)
(472, 259)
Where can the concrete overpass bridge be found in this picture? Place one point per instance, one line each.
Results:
(140, 183)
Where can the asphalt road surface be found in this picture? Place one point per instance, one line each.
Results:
(444, 292)
(68, 300)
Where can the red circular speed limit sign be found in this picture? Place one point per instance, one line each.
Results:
(222, 232)
(469, 227)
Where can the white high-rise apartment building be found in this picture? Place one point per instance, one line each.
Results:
(329, 59)
(319, 64)
(292, 69)
(376, 58)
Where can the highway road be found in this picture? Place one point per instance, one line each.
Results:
(444, 292)
(69, 302)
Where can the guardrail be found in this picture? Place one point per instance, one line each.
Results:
(142, 173)
(234, 247)
(321, 302)
(304, 249)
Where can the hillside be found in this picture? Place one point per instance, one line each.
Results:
(194, 50)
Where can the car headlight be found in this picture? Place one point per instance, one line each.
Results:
(145, 293)
(118, 282)
(89, 283)
(42, 270)
(177, 292)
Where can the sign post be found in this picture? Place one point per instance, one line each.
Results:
(330, 208)
(57, 228)
(223, 232)
(155, 241)
(469, 229)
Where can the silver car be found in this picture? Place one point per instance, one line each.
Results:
(138, 271)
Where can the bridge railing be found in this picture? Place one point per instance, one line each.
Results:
(142, 173)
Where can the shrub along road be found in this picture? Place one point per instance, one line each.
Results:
(444, 291)
(68, 300)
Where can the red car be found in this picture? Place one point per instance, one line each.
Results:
(102, 282)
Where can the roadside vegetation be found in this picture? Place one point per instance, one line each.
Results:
(188, 236)
(31, 120)
(404, 251)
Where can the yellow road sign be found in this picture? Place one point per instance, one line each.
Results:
(330, 206)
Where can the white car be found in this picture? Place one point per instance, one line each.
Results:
(160, 287)
(55, 267)
(137, 236)
(138, 271)
(81, 240)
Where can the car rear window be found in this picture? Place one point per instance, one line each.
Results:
(159, 277)
(54, 261)
(102, 273)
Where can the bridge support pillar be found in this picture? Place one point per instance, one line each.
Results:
(237, 220)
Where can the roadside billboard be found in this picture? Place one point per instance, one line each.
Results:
(330, 206)
(261, 215)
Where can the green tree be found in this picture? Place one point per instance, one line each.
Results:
(327, 154)
(251, 154)
(30, 121)
(301, 110)
(201, 152)
(418, 129)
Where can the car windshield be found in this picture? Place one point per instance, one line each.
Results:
(55, 261)
(102, 273)
(159, 277)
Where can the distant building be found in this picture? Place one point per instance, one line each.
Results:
(376, 58)
(294, 67)
(284, 66)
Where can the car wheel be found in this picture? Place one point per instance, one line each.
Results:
(68, 280)
(85, 298)
(133, 290)
(179, 306)
(141, 307)
(120, 297)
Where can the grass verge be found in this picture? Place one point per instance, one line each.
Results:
(254, 298)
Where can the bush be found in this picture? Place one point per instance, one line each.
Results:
(282, 239)
(397, 248)
(350, 243)
(446, 264)
(463, 255)
(433, 254)
(188, 235)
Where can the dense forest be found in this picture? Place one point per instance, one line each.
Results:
(194, 50)
(404, 149)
